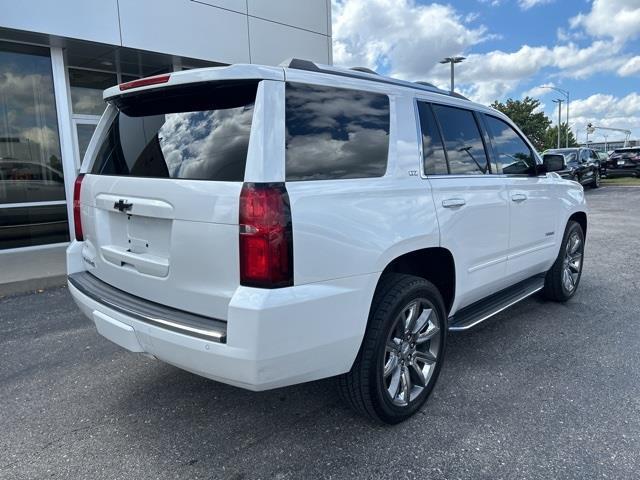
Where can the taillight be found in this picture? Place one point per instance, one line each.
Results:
(143, 82)
(266, 236)
(77, 221)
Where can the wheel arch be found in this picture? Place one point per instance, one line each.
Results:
(581, 218)
(435, 264)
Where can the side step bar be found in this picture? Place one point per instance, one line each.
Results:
(478, 312)
(149, 312)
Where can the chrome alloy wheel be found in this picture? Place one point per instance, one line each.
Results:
(572, 263)
(411, 352)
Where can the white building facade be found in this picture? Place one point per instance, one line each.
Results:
(56, 57)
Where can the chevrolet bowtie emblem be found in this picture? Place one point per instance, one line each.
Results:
(122, 206)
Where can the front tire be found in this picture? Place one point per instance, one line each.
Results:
(402, 352)
(562, 280)
(596, 180)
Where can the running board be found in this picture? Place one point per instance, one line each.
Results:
(480, 311)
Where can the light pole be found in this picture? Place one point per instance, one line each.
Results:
(566, 94)
(452, 61)
(559, 102)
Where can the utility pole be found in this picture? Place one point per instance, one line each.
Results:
(452, 61)
(559, 102)
(566, 94)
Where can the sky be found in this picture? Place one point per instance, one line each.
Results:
(512, 47)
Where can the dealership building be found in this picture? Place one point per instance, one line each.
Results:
(56, 58)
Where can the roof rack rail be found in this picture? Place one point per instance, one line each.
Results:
(364, 70)
(458, 95)
(364, 74)
(426, 84)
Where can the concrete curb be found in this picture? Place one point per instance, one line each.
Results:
(32, 285)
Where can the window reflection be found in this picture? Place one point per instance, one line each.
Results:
(435, 162)
(462, 139)
(30, 161)
(87, 87)
(335, 133)
(514, 156)
(202, 143)
(85, 132)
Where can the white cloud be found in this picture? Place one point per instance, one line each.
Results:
(495, 74)
(606, 111)
(538, 91)
(607, 106)
(400, 35)
(527, 4)
(408, 39)
(493, 3)
(631, 67)
(616, 19)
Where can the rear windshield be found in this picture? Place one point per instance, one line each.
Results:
(630, 151)
(199, 132)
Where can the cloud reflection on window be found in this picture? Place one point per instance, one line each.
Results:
(335, 133)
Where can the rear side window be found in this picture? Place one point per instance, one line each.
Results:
(197, 132)
(584, 156)
(465, 149)
(435, 162)
(335, 133)
(514, 157)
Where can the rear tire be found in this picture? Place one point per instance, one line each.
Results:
(402, 352)
(562, 280)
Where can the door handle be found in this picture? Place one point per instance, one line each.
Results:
(453, 202)
(518, 197)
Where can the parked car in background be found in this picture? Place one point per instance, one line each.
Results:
(269, 226)
(582, 165)
(22, 183)
(624, 162)
(602, 157)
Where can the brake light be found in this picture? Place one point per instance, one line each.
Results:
(77, 221)
(266, 236)
(143, 82)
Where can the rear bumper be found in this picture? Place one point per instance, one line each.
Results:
(273, 338)
(622, 171)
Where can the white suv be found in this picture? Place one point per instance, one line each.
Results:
(267, 226)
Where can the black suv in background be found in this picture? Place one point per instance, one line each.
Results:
(624, 162)
(581, 165)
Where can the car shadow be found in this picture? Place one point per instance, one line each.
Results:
(209, 425)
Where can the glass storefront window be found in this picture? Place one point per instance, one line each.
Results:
(86, 90)
(30, 159)
(84, 132)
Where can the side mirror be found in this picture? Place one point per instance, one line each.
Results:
(553, 163)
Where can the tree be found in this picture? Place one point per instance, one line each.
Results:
(523, 113)
(551, 137)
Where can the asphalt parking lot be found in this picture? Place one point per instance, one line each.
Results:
(542, 391)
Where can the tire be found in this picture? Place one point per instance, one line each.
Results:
(557, 286)
(596, 180)
(387, 368)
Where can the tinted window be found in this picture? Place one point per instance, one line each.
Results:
(334, 133)
(462, 140)
(514, 157)
(199, 133)
(584, 155)
(30, 159)
(435, 162)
